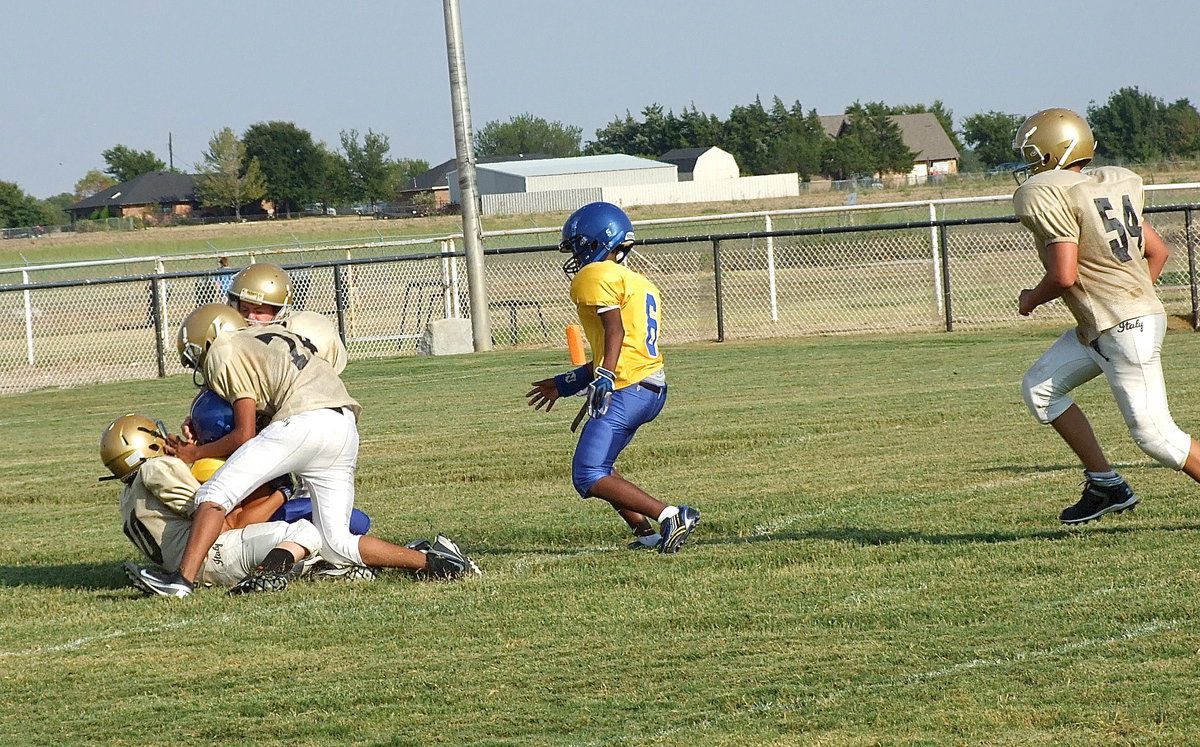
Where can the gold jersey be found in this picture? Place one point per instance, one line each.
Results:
(607, 285)
(279, 370)
(156, 510)
(1100, 210)
(317, 329)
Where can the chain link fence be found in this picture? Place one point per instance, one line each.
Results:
(910, 268)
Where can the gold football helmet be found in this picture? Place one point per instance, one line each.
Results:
(201, 327)
(1054, 139)
(130, 440)
(263, 283)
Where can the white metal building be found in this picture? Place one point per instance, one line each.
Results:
(554, 174)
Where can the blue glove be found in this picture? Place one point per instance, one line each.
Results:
(600, 392)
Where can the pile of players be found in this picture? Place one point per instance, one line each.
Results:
(259, 488)
(275, 414)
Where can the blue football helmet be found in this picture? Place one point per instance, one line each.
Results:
(592, 232)
(212, 417)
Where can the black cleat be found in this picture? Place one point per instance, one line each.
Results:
(1098, 500)
(260, 580)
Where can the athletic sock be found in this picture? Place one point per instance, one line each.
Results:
(667, 513)
(278, 560)
(1104, 478)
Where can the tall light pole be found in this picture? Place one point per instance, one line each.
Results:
(481, 327)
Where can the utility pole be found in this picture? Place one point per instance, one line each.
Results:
(481, 327)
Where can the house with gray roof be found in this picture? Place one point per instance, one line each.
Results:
(934, 152)
(150, 194)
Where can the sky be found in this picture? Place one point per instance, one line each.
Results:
(81, 78)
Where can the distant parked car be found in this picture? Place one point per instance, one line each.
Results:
(1004, 168)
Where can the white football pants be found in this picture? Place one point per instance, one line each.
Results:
(318, 446)
(237, 552)
(1129, 357)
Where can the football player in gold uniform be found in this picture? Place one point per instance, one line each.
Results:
(263, 294)
(625, 383)
(249, 555)
(312, 431)
(1102, 259)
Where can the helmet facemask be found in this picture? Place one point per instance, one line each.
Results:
(262, 284)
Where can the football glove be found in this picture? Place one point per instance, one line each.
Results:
(600, 391)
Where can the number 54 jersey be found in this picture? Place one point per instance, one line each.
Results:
(600, 286)
(1100, 210)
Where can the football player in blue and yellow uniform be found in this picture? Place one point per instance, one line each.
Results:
(625, 384)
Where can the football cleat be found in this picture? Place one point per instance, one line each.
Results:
(421, 545)
(676, 529)
(323, 570)
(260, 580)
(444, 560)
(1098, 500)
(131, 572)
(654, 541)
(163, 583)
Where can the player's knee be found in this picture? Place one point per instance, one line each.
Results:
(1044, 402)
(306, 535)
(584, 476)
(1165, 443)
(340, 543)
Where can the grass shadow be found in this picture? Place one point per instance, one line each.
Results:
(90, 576)
(877, 537)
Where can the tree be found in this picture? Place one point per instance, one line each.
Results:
(748, 137)
(659, 133)
(404, 170)
(844, 158)
(1182, 129)
(290, 160)
(18, 209)
(797, 140)
(367, 165)
(990, 135)
(526, 133)
(334, 184)
(1131, 126)
(225, 178)
(871, 125)
(93, 182)
(125, 164)
(55, 208)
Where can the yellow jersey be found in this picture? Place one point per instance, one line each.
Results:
(605, 285)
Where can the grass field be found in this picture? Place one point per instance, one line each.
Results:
(879, 562)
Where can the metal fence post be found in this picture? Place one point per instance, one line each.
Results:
(936, 239)
(340, 301)
(160, 327)
(718, 280)
(1190, 240)
(945, 246)
(771, 289)
(28, 319)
